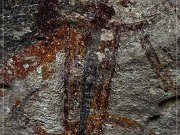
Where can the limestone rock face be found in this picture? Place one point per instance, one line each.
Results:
(65, 75)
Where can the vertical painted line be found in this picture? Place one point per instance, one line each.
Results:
(89, 76)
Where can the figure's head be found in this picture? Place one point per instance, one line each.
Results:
(99, 14)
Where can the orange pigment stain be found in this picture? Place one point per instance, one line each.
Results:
(42, 53)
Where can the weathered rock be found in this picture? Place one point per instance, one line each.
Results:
(136, 91)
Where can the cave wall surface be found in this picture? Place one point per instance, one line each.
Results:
(78, 67)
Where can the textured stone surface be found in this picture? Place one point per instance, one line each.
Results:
(136, 91)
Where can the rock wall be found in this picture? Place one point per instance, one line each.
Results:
(143, 82)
